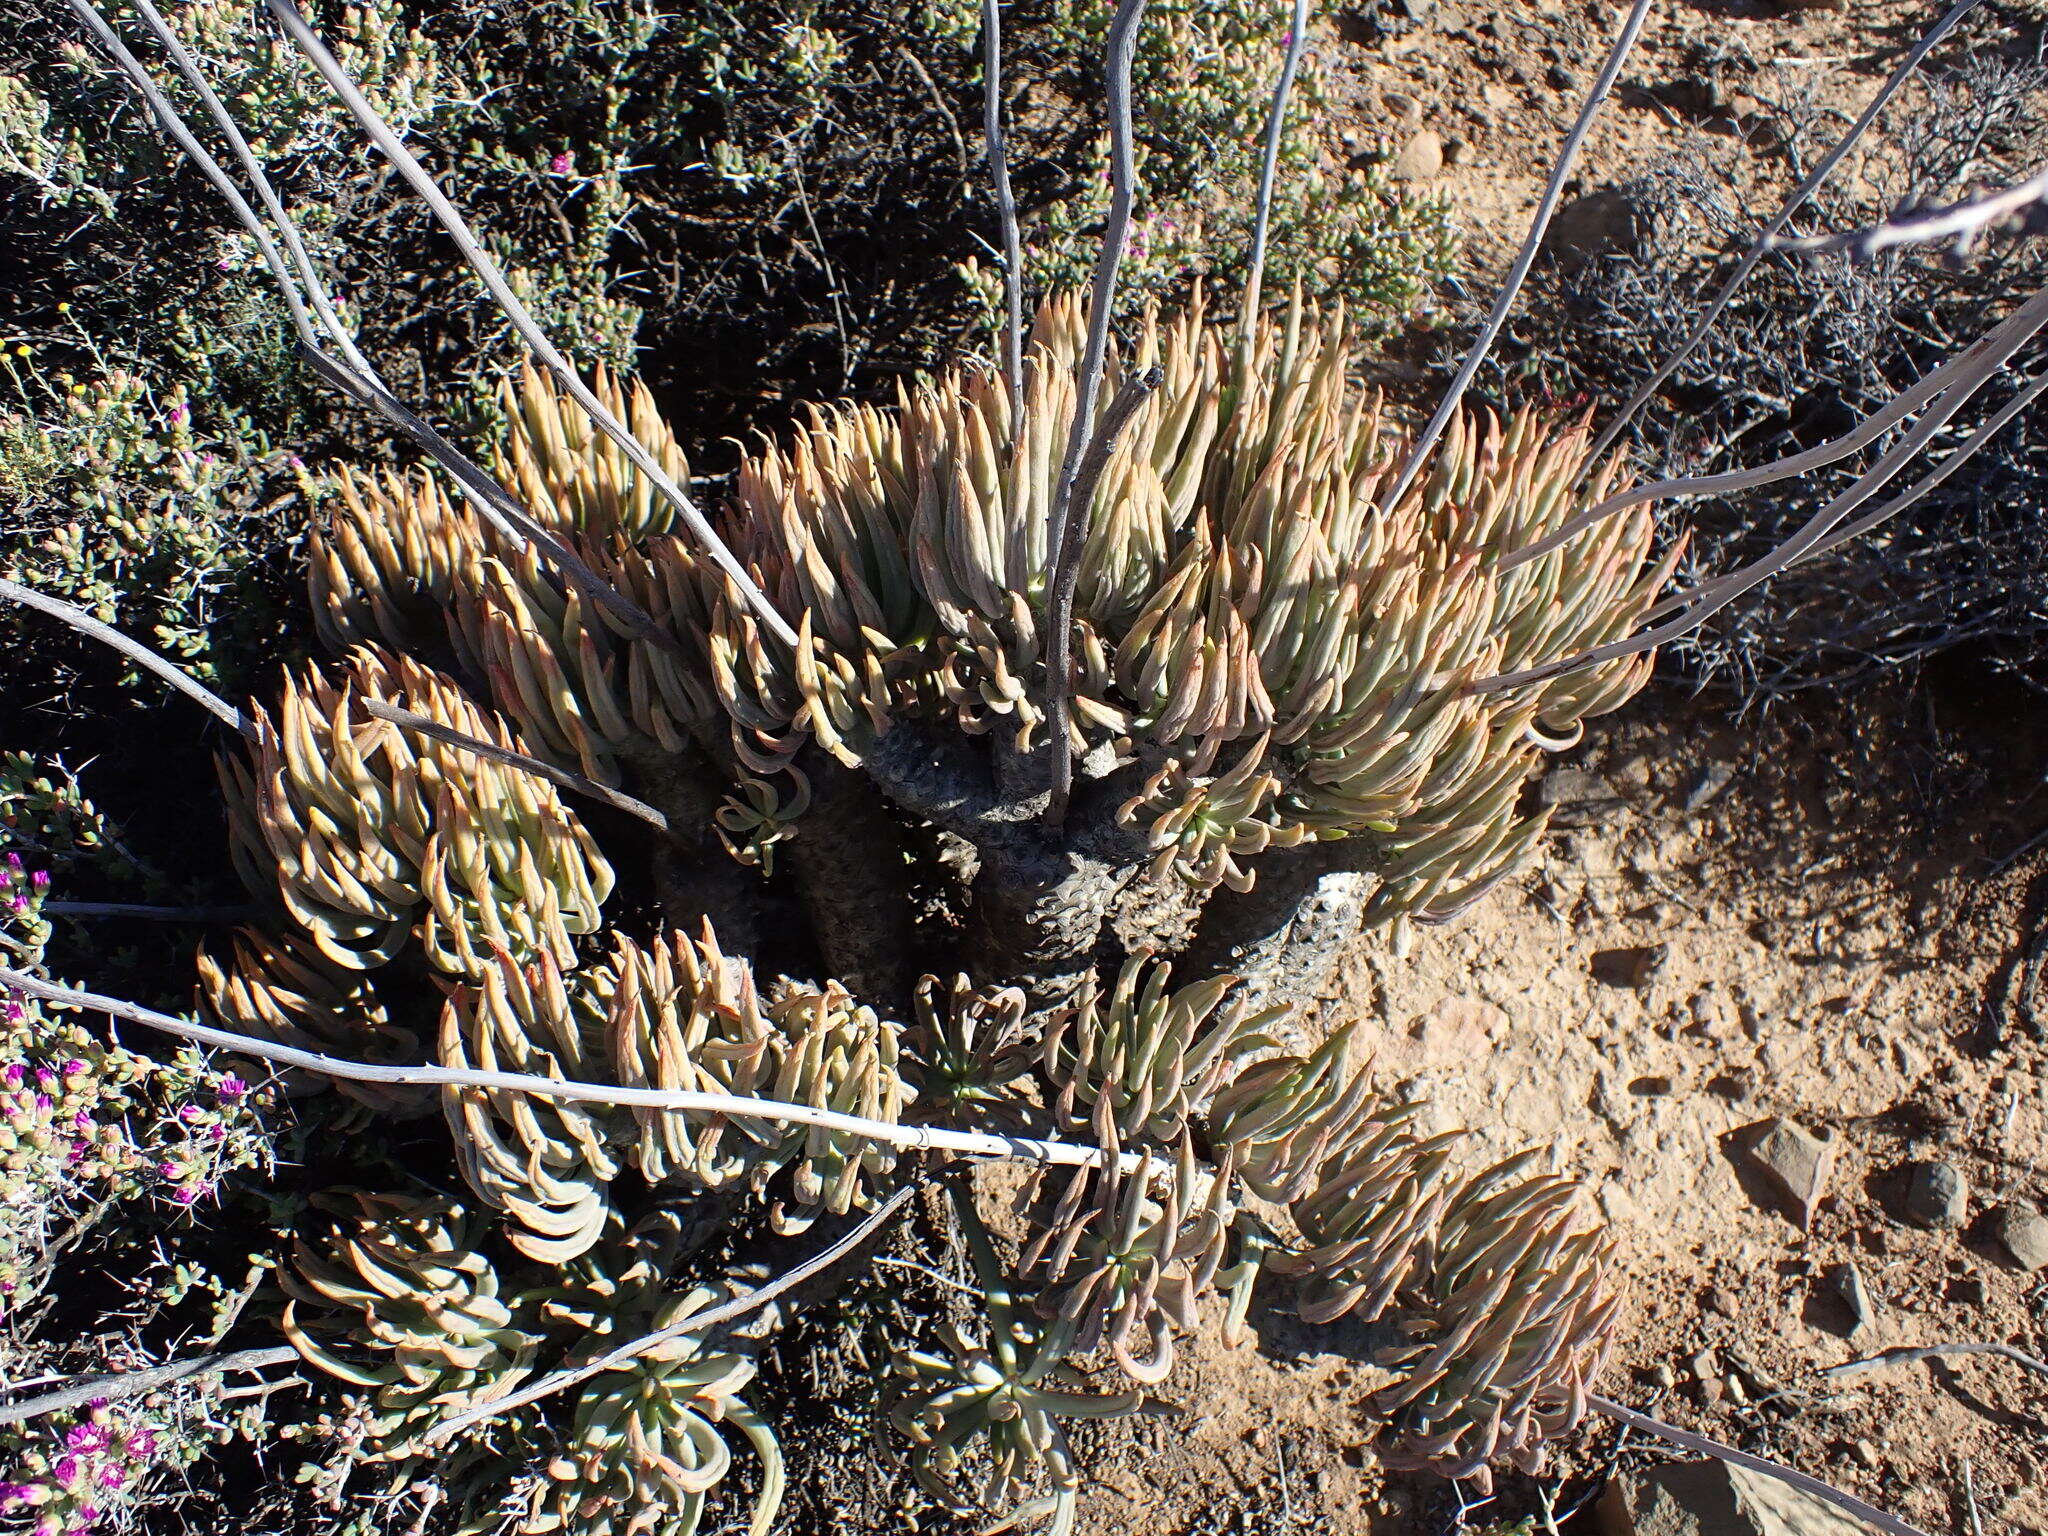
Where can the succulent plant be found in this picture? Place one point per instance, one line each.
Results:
(1283, 1116)
(1507, 1325)
(1141, 1061)
(369, 836)
(1371, 1216)
(972, 1049)
(840, 1055)
(1122, 1261)
(1008, 1386)
(409, 1279)
(546, 1163)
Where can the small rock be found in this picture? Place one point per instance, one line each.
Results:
(1866, 1454)
(1713, 778)
(2022, 1232)
(1578, 797)
(1797, 1162)
(1635, 966)
(1562, 79)
(1420, 159)
(1456, 151)
(1855, 1294)
(1662, 1376)
(1938, 1197)
(1403, 108)
(1711, 1498)
(1594, 226)
(1722, 1300)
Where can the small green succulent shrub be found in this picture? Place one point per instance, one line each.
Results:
(1269, 693)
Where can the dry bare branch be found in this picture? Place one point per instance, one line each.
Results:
(1965, 221)
(1700, 1444)
(134, 650)
(1793, 203)
(914, 1137)
(1912, 1356)
(1064, 518)
(1567, 156)
(561, 777)
(1269, 169)
(95, 1389)
(1006, 206)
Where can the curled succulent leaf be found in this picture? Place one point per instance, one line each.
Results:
(972, 1048)
(546, 1163)
(1123, 1263)
(1144, 1059)
(1512, 1320)
(1009, 1387)
(410, 1286)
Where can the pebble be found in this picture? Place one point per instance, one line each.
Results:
(1938, 1197)
(1797, 1162)
(1420, 159)
(1855, 1294)
(2023, 1232)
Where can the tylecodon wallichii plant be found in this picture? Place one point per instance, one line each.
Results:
(1311, 660)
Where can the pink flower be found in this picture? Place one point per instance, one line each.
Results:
(184, 1196)
(73, 1067)
(112, 1477)
(15, 1071)
(45, 1077)
(180, 414)
(189, 1112)
(561, 164)
(170, 1170)
(12, 1494)
(40, 879)
(86, 1437)
(67, 1470)
(232, 1087)
(216, 1133)
(142, 1443)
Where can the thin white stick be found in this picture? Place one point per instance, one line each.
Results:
(1552, 194)
(1762, 243)
(140, 654)
(2029, 318)
(725, 1312)
(917, 1137)
(487, 271)
(1269, 170)
(1063, 519)
(1006, 208)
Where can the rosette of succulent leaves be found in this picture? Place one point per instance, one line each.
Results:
(567, 799)
(1267, 656)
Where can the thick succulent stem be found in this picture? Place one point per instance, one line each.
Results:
(853, 877)
(1289, 933)
(694, 876)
